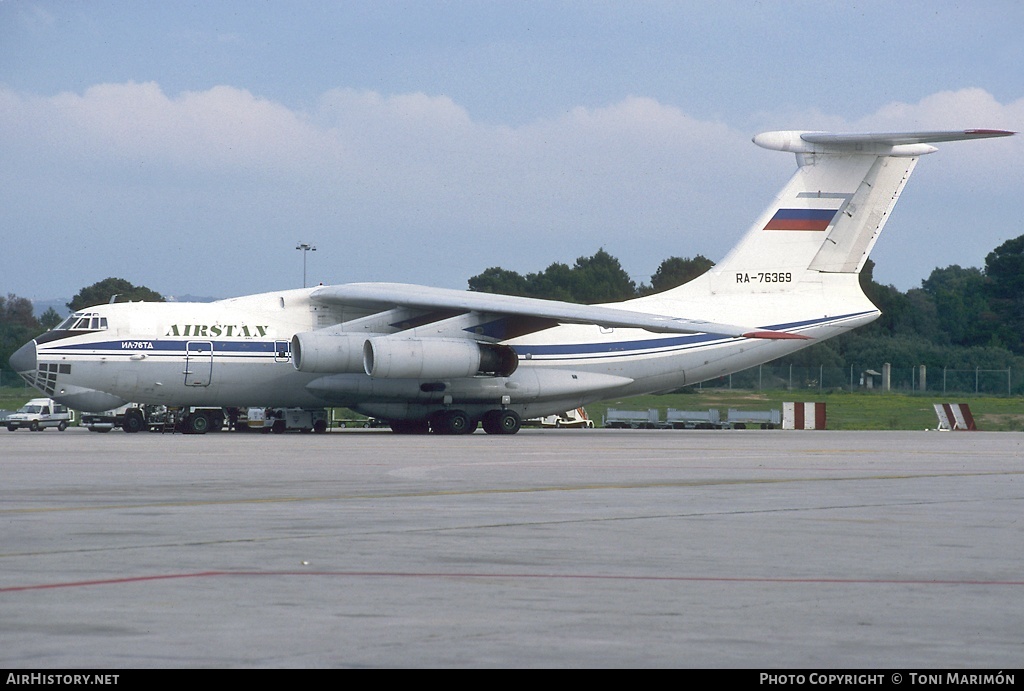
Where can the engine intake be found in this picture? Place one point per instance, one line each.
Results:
(433, 358)
(328, 353)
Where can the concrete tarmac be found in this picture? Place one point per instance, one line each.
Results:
(561, 548)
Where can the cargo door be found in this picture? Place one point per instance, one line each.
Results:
(198, 363)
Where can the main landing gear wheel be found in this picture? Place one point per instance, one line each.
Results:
(502, 422)
(452, 422)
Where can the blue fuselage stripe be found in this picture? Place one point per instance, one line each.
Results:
(262, 348)
(144, 345)
(672, 342)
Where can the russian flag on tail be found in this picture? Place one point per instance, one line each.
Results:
(801, 219)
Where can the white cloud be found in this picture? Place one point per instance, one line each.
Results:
(409, 184)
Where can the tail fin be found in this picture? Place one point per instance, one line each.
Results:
(827, 218)
(829, 215)
(797, 267)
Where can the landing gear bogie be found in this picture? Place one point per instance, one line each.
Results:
(502, 422)
(452, 422)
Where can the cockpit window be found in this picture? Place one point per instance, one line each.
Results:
(83, 321)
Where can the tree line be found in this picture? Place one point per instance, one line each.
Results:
(959, 318)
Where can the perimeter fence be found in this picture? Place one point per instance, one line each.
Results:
(992, 382)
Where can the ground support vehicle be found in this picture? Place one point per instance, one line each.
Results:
(693, 419)
(765, 419)
(187, 420)
(105, 421)
(633, 419)
(365, 423)
(576, 418)
(280, 420)
(38, 414)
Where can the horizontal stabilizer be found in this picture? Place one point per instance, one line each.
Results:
(878, 143)
(900, 138)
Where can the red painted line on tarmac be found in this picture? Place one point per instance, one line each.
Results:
(550, 576)
(112, 581)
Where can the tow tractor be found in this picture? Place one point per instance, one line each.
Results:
(158, 418)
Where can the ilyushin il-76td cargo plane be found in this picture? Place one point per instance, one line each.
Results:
(446, 361)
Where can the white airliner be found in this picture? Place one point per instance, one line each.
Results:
(429, 359)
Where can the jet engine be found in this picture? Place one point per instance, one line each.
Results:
(431, 358)
(328, 353)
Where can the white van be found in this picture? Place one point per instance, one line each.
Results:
(40, 413)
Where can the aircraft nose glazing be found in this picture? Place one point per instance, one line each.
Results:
(24, 358)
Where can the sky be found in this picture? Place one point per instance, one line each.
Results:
(189, 147)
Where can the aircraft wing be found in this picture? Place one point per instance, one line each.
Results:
(388, 295)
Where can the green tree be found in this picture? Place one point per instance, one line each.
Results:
(601, 278)
(117, 289)
(50, 318)
(502, 281)
(598, 278)
(554, 283)
(910, 314)
(675, 271)
(17, 311)
(17, 325)
(1004, 269)
(961, 304)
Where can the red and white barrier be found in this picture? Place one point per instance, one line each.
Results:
(803, 416)
(955, 416)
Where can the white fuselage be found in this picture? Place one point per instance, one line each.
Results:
(237, 353)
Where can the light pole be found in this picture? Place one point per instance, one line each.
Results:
(305, 247)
